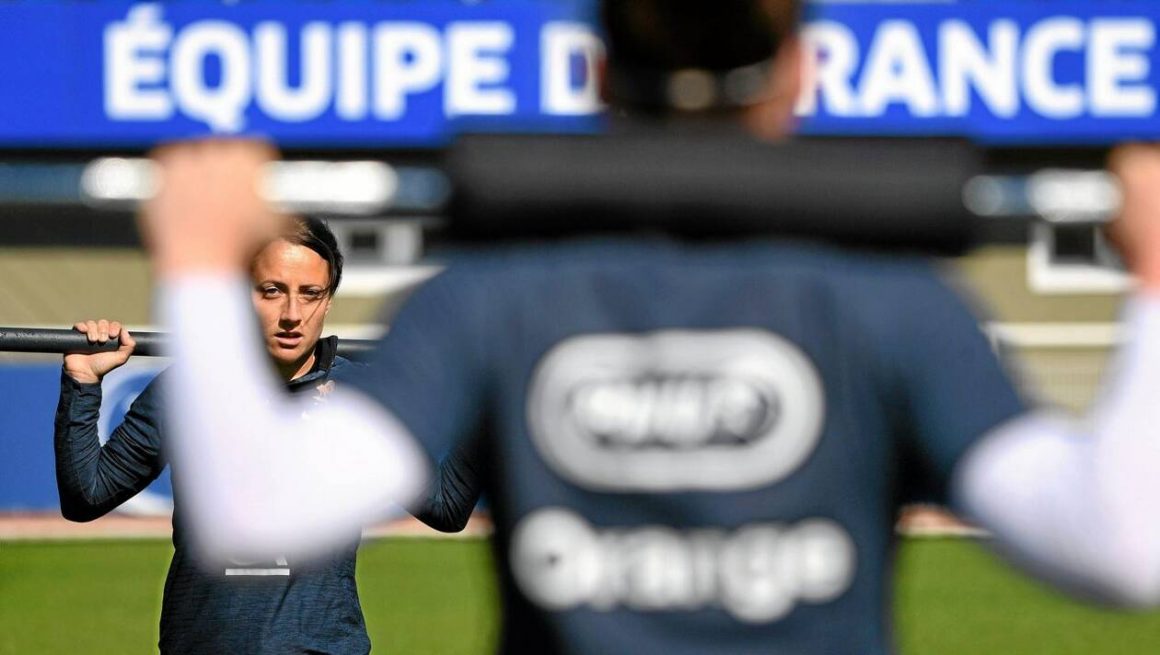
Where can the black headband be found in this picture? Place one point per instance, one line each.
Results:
(691, 89)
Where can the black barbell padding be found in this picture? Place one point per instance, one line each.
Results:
(904, 195)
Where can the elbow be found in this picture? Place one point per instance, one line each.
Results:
(448, 525)
(1132, 580)
(443, 522)
(447, 514)
(80, 508)
(80, 514)
(1121, 569)
(1127, 593)
(456, 525)
(1135, 596)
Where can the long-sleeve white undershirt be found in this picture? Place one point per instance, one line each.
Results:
(1075, 500)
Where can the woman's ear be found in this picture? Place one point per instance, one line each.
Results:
(600, 70)
(774, 118)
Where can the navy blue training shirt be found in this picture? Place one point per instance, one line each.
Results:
(261, 607)
(694, 449)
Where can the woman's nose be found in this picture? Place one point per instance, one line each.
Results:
(291, 311)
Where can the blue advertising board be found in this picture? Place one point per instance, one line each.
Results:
(1000, 72)
(379, 74)
(27, 465)
(355, 74)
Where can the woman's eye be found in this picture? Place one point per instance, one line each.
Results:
(312, 295)
(270, 292)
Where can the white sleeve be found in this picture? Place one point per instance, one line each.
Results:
(1075, 501)
(259, 475)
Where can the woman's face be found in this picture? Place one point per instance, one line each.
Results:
(291, 298)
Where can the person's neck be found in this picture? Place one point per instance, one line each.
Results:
(290, 371)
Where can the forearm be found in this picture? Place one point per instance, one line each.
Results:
(1076, 501)
(258, 475)
(453, 492)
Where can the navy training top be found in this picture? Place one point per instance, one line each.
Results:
(275, 607)
(694, 448)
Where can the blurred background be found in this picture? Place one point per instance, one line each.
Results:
(1035, 84)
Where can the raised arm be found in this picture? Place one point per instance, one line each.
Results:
(93, 479)
(1075, 500)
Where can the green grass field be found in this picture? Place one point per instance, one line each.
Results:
(429, 596)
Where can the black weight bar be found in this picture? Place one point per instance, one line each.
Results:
(149, 344)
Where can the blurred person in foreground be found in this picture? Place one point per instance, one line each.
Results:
(250, 605)
(691, 447)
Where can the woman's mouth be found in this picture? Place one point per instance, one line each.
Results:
(288, 339)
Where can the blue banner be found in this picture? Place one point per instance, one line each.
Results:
(1011, 72)
(354, 74)
(361, 74)
(27, 464)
